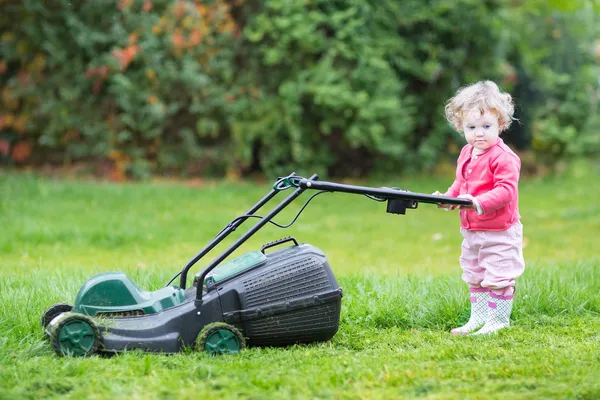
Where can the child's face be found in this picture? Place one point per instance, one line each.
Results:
(481, 131)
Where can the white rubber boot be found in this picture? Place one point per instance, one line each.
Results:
(479, 310)
(499, 309)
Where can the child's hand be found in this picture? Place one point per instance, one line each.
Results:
(468, 197)
(447, 207)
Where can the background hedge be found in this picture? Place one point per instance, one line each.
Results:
(238, 86)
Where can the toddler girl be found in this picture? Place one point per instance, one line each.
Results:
(487, 173)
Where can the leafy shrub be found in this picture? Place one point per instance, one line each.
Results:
(555, 54)
(353, 85)
(143, 83)
(232, 86)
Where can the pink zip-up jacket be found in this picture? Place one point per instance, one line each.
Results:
(493, 179)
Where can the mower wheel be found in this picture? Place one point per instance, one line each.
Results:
(220, 338)
(74, 335)
(54, 311)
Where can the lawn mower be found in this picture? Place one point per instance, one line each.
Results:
(283, 296)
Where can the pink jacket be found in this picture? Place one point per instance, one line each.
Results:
(492, 178)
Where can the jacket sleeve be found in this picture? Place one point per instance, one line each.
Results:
(505, 170)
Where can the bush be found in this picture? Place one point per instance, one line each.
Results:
(559, 72)
(352, 85)
(338, 87)
(142, 83)
(328, 98)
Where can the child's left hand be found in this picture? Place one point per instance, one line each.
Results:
(447, 207)
(468, 197)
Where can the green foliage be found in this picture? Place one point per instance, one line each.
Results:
(557, 56)
(329, 99)
(126, 80)
(233, 86)
(355, 84)
(435, 48)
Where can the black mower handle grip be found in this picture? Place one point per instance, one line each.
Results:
(278, 242)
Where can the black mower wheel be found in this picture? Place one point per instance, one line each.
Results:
(74, 335)
(54, 311)
(220, 338)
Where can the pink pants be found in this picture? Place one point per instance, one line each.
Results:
(493, 259)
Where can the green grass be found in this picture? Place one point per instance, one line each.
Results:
(402, 293)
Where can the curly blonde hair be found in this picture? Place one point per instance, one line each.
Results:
(483, 95)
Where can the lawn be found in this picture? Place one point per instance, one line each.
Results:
(401, 281)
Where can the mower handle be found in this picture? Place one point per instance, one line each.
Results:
(384, 193)
(406, 199)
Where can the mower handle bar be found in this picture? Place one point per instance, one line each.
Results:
(385, 193)
(300, 184)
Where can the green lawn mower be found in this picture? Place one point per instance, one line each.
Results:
(279, 297)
